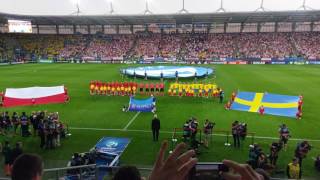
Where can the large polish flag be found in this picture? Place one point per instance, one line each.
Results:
(34, 95)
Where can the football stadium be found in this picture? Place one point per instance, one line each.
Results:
(150, 89)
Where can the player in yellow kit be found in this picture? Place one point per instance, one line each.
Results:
(170, 92)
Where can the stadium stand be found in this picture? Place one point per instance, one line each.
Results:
(185, 37)
(307, 44)
(198, 45)
(106, 47)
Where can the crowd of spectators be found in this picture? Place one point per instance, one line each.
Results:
(2, 49)
(265, 45)
(42, 45)
(5, 51)
(147, 45)
(204, 46)
(170, 45)
(114, 46)
(307, 44)
(220, 45)
(150, 45)
(194, 46)
(74, 46)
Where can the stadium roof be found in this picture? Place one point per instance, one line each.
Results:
(205, 18)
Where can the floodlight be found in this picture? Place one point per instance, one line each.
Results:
(261, 8)
(110, 2)
(304, 7)
(75, 2)
(77, 12)
(183, 10)
(147, 10)
(221, 9)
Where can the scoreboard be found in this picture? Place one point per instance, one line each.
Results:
(19, 26)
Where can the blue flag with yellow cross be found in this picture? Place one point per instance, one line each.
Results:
(274, 104)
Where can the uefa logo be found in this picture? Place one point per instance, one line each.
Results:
(111, 144)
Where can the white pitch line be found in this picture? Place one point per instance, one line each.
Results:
(134, 117)
(169, 132)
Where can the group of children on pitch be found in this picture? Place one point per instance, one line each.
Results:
(194, 90)
(125, 88)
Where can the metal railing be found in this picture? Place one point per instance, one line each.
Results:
(86, 172)
(61, 173)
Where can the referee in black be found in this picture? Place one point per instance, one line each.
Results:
(155, 126)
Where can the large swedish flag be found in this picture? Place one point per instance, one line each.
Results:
(275, 104)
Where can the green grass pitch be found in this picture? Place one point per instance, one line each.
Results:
(85, 111)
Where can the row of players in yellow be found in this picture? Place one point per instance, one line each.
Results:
(191, 89)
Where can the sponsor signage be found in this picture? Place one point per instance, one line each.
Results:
(218, 62)
(237, 62)
(278, 62)
(94, 62)
(20, 62)
(62, 61)
(313, 62)
(45, 61)
(144, 62)
(298, 62)
(265, 59)
(258, 62)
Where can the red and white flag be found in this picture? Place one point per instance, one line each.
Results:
(34, 95)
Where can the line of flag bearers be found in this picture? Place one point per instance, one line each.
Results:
(125, 88)
(194, 90)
